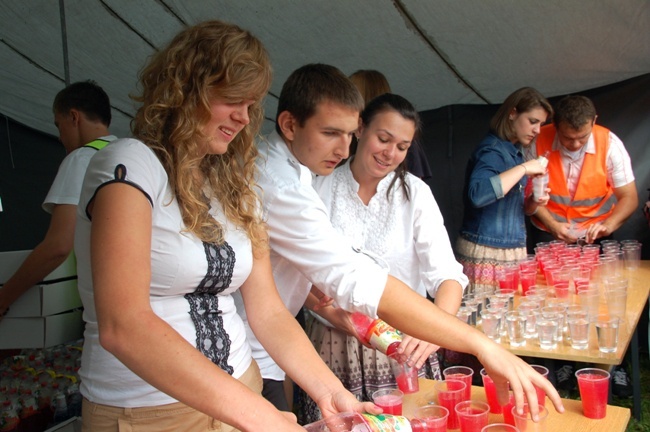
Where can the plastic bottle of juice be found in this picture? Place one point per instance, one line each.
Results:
(355, 422)
(377, 333)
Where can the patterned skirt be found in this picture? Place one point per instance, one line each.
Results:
(362, 370)
(479, 263)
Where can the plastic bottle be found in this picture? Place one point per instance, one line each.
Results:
(355, 422)
(377, 333)
(60, 409)
(543, 159)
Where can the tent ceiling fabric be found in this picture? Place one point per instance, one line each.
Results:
(434, 52)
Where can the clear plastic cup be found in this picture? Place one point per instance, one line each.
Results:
(546, 332)
(472, 415)
(390, 400)
(449, 394)
(516, 326)
(405, 375)
(491, 323)
(543, 371)
(579, 330)
(490, 393)
(524, 421)
(460, 373)
(435, 417)
(607, 332)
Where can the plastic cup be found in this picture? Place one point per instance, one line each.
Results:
(516, 326)
(449, 394)
(540, 183)
(579, 330)
(589, 300)
(541, 394)
(491, 322)
(490, 393)
(500, 427)
(507, 409)
(405, 375)
(460, 373)
(524, 422)
(531, 310)
(472, 415)
(546, 332)
(435, 417)
(607, 332)
(390, 400)
(594, 388)
(527, 278)
(617, 302)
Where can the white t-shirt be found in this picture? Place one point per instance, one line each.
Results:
(305, 248)
(67, 184)
(187, 278)
(409, 235)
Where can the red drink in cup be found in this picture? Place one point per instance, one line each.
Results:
(390, 400)
(460, 373)
(390, 404)
(472, 415)
(507, 410)
(490, 393)
(449, 394)
(594, 388)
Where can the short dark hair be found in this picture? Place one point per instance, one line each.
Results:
(311, 84)
(576, 111)
(87, 97)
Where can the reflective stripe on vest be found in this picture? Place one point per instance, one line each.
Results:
(98, 144)
(594, 199)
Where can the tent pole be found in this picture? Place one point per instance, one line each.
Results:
(64, 42)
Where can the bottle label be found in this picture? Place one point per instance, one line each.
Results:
(387, 423)
(381, 335)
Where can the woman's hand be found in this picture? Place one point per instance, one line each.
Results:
(509, 371)
(415, 351)
(344, 401)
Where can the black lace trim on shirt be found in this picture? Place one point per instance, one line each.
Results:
(120, 177)
(211, 337)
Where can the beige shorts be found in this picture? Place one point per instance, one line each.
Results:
(164, 418)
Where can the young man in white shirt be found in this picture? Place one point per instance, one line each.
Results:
(82, 114)
(318, 112)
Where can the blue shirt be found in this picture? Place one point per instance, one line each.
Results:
(490, 217)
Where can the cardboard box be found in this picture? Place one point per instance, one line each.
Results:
(44, 300)
(57, 293)
(10, 261)
(41, 332)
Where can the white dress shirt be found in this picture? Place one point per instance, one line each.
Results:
(305, 248)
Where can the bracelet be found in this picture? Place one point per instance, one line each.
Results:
(525, 169)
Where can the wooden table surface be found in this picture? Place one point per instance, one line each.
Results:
(572, 420)
(638, 291)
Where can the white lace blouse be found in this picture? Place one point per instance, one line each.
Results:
(408, 234)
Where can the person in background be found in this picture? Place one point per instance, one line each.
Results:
(318, 112)
(82, 114)
(590, 174)
(168, 228)
(493, 231)
(372, 83)
(374, 201)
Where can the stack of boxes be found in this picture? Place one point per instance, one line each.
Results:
(47, 314)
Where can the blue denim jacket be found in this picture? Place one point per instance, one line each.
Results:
(490, 218)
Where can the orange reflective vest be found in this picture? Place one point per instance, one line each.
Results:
(594, 198)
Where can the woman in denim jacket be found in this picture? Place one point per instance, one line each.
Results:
(493, 231)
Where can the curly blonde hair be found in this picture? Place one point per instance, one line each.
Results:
(209, 60)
